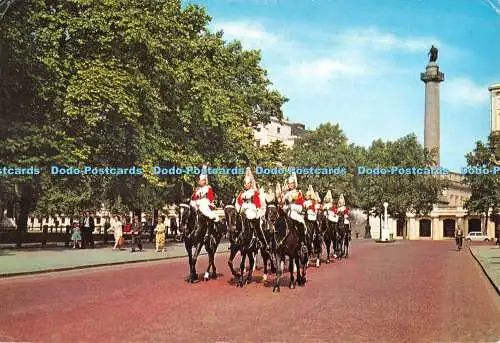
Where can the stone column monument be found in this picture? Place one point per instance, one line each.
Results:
(432, 77)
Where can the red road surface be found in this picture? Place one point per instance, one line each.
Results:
(402, 292)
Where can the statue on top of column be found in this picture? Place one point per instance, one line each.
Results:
(433, 54)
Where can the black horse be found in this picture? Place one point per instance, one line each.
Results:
(329, 232)
(344, 234)
(242, 238)
(288, 244)
(268, 228)
(194, 226)
(314, 236)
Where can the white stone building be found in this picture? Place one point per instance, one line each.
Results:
(450, 212)
(284, 130)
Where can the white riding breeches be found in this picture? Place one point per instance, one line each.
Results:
(332, 217)
(204, 206)
(311, 215)
(295, 213)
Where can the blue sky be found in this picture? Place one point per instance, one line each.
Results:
(358, 62)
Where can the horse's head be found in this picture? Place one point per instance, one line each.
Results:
(184, 213)
(272, 214)
(230, 216)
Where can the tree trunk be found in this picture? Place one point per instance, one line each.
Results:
(368, 234)
(497, 225)
(25, 205)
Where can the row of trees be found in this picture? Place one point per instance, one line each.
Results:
(129, 82)
(122, 83)
(486, 188)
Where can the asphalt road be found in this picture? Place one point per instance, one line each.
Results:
(402, 292)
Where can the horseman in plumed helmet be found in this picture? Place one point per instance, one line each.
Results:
(330, 208)
(249, 202)
(294, 204)
(203, 197)
(310, 204)
(342, 208)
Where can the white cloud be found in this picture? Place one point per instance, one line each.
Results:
(373, 38)
(464, 92)
(251, 33)
(324, 69)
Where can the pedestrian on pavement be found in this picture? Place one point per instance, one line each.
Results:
(116, 226)
(172, 215)
(76, 237)
(160, 235)
(87, 228)
(137, 229)
(150, 226)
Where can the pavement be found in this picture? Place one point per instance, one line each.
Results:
(489, 258)
(407, 291)
(16, 262)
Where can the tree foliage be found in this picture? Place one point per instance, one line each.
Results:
(123, 83)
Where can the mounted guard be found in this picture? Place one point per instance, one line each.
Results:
(330, 208)
(248, 201)
(343, 208)
(330, 236)
(294, 201)
(310, 204)
(344, 227)
(313, 236)
(203, 199)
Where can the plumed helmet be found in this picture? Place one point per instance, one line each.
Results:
(293, 179)
(310, 193)
(341, 200)
(328, 197)
(203, 174)
(318, 199)
(249, 179)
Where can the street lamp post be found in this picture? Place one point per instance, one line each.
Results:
(385, 230)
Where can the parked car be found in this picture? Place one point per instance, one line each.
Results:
(477, 236)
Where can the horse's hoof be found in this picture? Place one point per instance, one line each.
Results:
(292, 285)
(213, 275)
(206, 277)
(248, 281)
(317, 263)
(327, 262)
(264, 277)
(276, 289)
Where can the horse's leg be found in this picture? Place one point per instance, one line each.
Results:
(347, 248)
(242, 268)
(211, 256)
(232, 254)
(327, 244)
(195, 259)
(214, 269)
(291, 267)
(251, 261)
(265, 259)
(279, 274)
(189, 250)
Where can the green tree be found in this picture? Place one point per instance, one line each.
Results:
(405, 192)
(327, 146)
(122, 83)
(485, 189)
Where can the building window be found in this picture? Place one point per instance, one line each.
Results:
(278, 130)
